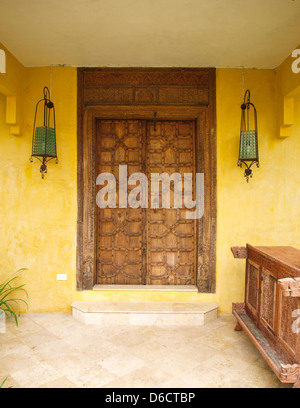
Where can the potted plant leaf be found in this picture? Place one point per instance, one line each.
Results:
(8, 302)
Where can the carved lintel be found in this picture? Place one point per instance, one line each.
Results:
(240, 252)
(290, 287)
(290, 373)
(239, 308)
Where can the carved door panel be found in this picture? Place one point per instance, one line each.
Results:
(137, 246)
(171, 244)
(120, 230)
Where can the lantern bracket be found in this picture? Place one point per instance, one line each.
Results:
(44, 137)
(248, 154)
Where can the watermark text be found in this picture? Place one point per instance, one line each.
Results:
(296, 323)
(167, 191)
(296, 63)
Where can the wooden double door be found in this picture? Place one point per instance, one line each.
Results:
(145, 246)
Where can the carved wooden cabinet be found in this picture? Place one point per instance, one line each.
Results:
(271, 312)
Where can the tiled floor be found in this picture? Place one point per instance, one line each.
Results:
(55, 351)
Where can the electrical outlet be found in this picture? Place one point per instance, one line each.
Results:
(61, 277)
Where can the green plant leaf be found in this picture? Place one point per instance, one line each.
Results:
(3, 382)
(13, 277)
(7, 290)
(11, 312)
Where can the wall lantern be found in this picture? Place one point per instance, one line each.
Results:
(44, 136)
(249, 137)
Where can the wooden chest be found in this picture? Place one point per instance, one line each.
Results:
(271, 312)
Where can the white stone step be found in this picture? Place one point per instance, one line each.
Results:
(144, 314)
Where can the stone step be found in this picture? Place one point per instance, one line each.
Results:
(145, 314)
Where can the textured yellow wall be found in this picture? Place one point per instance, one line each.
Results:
(38, 217)
(265, 211)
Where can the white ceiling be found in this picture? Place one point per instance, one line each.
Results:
(151, 33)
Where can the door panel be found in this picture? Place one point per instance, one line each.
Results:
(120, 230)
(146, 246)
(171, 245)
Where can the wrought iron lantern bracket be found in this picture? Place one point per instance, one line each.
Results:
(44, 137)
(248, 154)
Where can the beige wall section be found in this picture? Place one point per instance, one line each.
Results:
(38, 218)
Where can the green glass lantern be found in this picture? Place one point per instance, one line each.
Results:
(44, 137)
(248, 137)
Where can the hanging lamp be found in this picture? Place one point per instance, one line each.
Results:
(249, 137)
(44, 137)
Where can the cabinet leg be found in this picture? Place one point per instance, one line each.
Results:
(297, 383)
(238, 328)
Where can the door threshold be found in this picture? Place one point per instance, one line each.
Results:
(150, 288)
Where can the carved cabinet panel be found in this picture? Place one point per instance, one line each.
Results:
(252, 289)
(268, 300)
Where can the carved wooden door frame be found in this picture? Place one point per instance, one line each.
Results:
(173, 94)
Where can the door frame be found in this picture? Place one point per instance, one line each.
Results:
(171, 94)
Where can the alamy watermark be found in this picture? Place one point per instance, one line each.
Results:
(296, 63)
(2, 322)
(161, 195)
(2, 62)
(296, 323)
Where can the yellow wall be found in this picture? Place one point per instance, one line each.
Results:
(38, 217)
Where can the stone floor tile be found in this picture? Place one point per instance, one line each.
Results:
(122, 364)
(34, 375)
(61, 382)
(93, 376)
(149, 376)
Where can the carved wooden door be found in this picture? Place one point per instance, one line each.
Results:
(152, 246)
